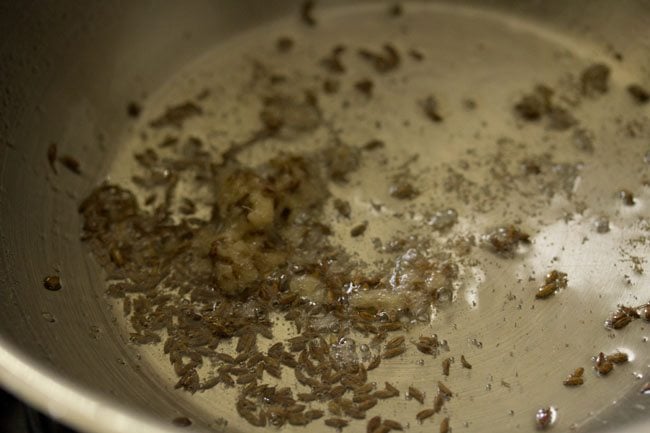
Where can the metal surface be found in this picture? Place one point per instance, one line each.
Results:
(68, 71)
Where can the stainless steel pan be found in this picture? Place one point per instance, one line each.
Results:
(69, 69)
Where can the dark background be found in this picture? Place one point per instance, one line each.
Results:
(17, 417)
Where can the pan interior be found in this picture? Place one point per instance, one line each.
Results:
(559, 183)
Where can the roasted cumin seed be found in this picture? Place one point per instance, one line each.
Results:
(622, 317)
(393, 425)
(276, 417)
(446, 364)
(52, 283)
(295, 408)
(337, 423)
(595, 79)
(355, 412)
(545, 291)
(359, 229)
(300, 377)
(333, 63)
(619, 322)
(70, 163)
(395, 342)
(314, 414)
(403, 190)
(573, 381)
(276, 350)
(332, 379)
(361, 398)
(416, 55)
(429, 341)
(444, 425)
(630, 311)
(298, 419)
(391, 388)
(307, 13)
(337, 391)
(342, 207)
(429, 106)
(331, 86)
(372, 424)
(246, 378)
(602, 365)
(244, 406)
(392, 353)
(284, 44)
(334, 407)
(416, 394)
(256, 357)
(464, 362)
(374, 145)
(116, 257)
(384, 61)
(383, 394)
(306, 397)
(257, 421)
(288, 360)
(444, 390)
(367, 404)
(226, 380)
(297, 344)
(224, 357)
(374, 363)
(349, 381)
(51, 156)
(427, 345)
(362, 375)
(133, 109)
(275, 371)
(575, 378)
(424, 414)
(504, 240)
(638, 93)
(250, 390)
(365, 87)
(617, 358)
(240, 358)
(364, 389)
(377, 339)
(182, 421)
(556, 277)
(553, 281)
(396, 10)
(438, 402)
(627, 197)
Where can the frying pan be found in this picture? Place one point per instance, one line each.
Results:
(69, 69)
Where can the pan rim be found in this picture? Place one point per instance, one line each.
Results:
(63, 400)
